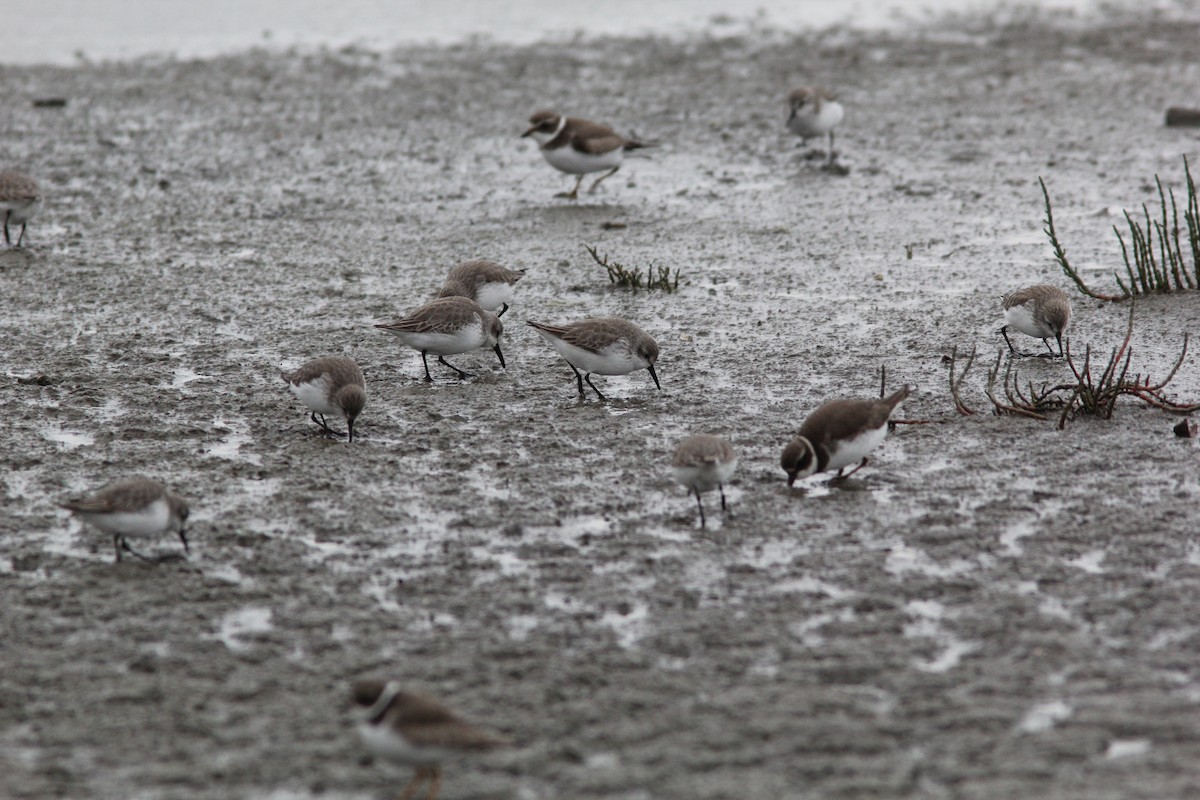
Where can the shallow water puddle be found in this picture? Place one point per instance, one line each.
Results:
(928, 616)
(1090, 562)
(902, 559)
(1044, 716)
(245, 621)
(68, 440)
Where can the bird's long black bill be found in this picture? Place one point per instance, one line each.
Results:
(654, 375)
(500, 356)
(350, 430)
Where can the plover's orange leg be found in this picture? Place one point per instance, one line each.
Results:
(435, 784)
(411, 788)
(574, 193)
(602, 177)
(862, 464)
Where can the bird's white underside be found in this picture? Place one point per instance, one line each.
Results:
(21, 211)
(491, 296)
(315, 395)
(568, 159)
(465, 340)
(381, 741)
(704, 477)
(1021, 318)
(807, 123)
(153, 520)
(616, 359)
(852, 451)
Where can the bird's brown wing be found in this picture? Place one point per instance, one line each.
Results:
(446, 315)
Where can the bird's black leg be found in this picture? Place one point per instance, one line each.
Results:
(502, 310)
(588, 378)
(1004, 333)
(21, 238)
(461, 374)
(831, 155)
(428, 377)
(125, 546)
(700, 505)
(722, 490)
(183, 538)
(328, 429)
(7, 214)
(578, 378)
(602, 177)
(117, 545)
(574, 193)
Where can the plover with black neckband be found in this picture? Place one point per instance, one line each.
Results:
(416, 731)
(448, 326)
(487, 283)
(1041, 311)
(840, 433)
(814, 112)
(134, 507)
(20, 201)
(702, 463)
(579, 146)
(602, 346)
(330, 385)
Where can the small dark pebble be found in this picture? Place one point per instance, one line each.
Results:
(37, 380)
(1186, 429)
(1179, 117)
(613, 226)
(49, 102)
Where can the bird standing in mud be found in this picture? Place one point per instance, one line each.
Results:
(448, 326)
(20, 200)
(814, 112)
(601, 346)
(486, 282)
(416, 731)
(840, 433)
(578, 147)
(702, 463)
(1041, 311)
(137, 507)
(330, 385)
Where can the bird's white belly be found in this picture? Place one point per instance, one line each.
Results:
(568, 159)
(1021, 318)
(806, 123)
(490, 296)
(150, 521)
(385, 744)
(315, 395)
(705, 477)
(852, 451)
(616, 359)
(22, 211)
(444, 344)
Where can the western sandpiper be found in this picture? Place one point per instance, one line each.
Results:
(840, 433)
(20, 200)
(330, 385)
(136, 507)
(814, 112)
(448, 326)
(703, 463)
(603, 346)
(416, 731)
(577, 146)
(483, 281)
(1041, 311)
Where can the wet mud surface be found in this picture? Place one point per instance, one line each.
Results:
(992, 609)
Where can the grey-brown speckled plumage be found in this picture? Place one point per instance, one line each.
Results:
(127, 495)
(17, 188)
(1049, 304)
(832, 428)
(339, 385)
(127, 508)
(465, 279)
(341, 371)
(446, 315)
(421, 720)
(597, 333)
(701, 449)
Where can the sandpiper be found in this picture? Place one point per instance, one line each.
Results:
(448, 326)
(840, 433)
(1041, 311)
(486, 282)
(136, 507)
(20, 200)
(703, 463)
(577, 146)
(415, 731)
(602, 345)
(814, 112)
(330, 385)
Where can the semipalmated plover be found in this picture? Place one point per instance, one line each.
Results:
(330, 385)
(20, 200)
(840, 433)
(483, 281)
(416, 731)
(1041, 311)
(702, 463)
(136, 507)
(602, 345)
(448, 326)
(577, 146)
(814, 112)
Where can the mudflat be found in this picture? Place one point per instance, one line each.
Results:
(993, 608)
